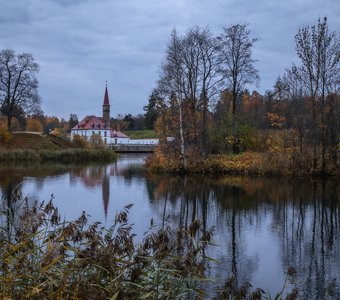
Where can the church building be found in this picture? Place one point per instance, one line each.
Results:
(100, 126)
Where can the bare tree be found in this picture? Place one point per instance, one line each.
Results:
(172, 81)
(191, 72)
(210, 76)
(237, 64)
(319, 52)
(18, 85)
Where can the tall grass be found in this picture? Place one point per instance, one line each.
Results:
(18, 155)
(61, 156)
(42, 257)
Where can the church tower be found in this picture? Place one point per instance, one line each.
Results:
(106, 109)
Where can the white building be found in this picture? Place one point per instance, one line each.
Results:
(92, 126)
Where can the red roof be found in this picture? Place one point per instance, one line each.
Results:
(97, 123)
(106, 97)
(90, 122)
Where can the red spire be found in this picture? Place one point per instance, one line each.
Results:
(106, 97)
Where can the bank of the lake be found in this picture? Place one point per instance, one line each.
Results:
(38, 148)
(246, 163)
(65, 156)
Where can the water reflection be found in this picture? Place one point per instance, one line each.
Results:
(94, 177)
(262, 226)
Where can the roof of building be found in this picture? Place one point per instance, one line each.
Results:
(97, 123)
(106, 97)
(91, 122)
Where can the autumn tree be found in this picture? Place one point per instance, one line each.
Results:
(18, 85)
(190, 78)
(210, 77)
(172, 82)
(237, 64)
(51, 123)
(34, 124)
(319, 52)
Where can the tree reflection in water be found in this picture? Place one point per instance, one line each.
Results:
(262, 226)
(304, 217)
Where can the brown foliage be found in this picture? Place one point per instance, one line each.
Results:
(34, 125)
(4, 134)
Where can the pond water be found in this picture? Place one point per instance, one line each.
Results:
(262, 226)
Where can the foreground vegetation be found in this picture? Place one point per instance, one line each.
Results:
(44, 257)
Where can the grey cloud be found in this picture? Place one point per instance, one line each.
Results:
(81, 43)
(12, 12)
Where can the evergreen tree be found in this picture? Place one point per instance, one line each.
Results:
(153, 108)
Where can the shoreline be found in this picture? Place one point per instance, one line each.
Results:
(245, 164)
(63, 156)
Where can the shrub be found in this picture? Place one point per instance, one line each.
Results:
(60, 132)
(80, 142)
(4, 134)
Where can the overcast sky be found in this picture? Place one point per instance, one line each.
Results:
(80, 44)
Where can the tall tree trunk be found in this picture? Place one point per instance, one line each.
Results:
(315, 158)
(205, 123)
(236, 140)
(9, 122)
(182, 136)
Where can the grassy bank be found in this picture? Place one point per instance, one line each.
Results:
(34, 141)
(247, 163)
(65, 156)
(141, 134)
(33, 147)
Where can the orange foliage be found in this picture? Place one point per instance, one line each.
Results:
(34, 125)
(4, 134)
(276, 120)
